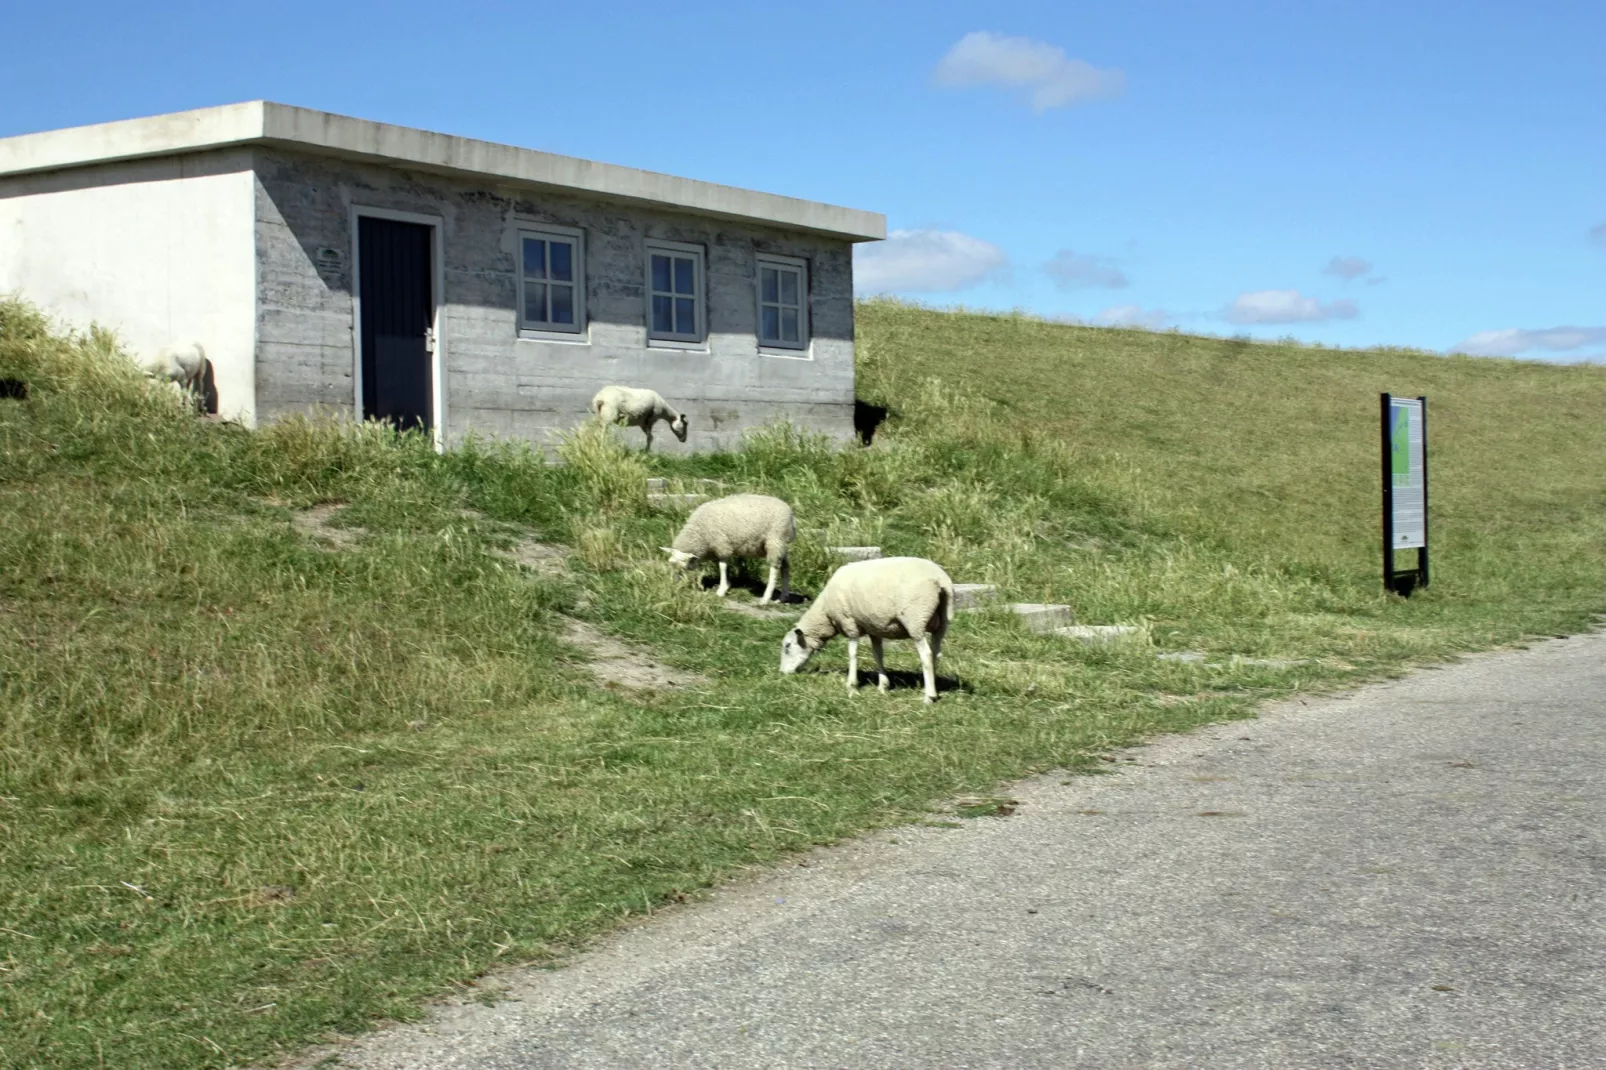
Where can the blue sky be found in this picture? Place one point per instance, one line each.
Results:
(1425, 174)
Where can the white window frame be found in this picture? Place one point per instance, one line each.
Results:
(696, 339)
(790, 263)
(558, 332)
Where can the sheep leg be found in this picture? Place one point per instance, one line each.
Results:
(853, 665)
(881, 681)
(770, 589)
(724, 579)
(786, 579)
(936, 644)
(648, 447)
(928, 667)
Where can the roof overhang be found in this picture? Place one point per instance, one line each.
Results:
(262, 122)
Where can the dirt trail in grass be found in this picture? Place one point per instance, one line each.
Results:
(621, 665)
(315, 524)
(1408, 874)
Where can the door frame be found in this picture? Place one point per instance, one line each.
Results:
(437, 384)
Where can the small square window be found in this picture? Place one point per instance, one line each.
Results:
(674, 292)
(783, 287)
(551, 281)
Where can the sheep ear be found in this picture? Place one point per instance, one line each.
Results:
(668, 550)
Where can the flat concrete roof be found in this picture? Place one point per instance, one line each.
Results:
(261, 122)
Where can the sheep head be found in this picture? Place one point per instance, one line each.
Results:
(679, 558)
(678, 426)
(796, 649)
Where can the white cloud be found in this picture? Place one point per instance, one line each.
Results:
(1286, 306)
(1597, 235)
(1347, 267)
(1150, 319)
(931, 261)
(1049, 77)
(1071, 271)
(1512, 341)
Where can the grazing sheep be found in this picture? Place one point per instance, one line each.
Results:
(631, 406)
(886, 598)
(742, 525)
(185, 366)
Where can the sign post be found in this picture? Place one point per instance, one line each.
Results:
(1405, 490)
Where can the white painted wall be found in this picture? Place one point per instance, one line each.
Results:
(162, 251)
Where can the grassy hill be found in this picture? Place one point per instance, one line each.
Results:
(289, 740)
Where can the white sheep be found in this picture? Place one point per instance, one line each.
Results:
(185, 366)
(886, 598)
(631, 406)
(742, 525)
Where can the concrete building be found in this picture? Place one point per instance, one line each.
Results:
(434, 280)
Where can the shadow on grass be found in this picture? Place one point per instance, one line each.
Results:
(753, 585)
(898, 679)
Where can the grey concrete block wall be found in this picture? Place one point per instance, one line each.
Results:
(499, 383)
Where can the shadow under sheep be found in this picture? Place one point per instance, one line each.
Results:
(745, 580)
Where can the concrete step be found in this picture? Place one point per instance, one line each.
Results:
(1043, 616)
(975, 595)
(660, 485)
(1093, 634)
(855, 553)
(676, 501)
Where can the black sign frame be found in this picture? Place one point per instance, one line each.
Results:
(1403, 581)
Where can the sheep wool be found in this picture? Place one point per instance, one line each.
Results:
(637, 407)
(185, 367)
(886, 598)
(742, 525)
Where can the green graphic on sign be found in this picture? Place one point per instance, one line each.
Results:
(1399, 436)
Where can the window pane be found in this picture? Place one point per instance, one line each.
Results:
(683, 276)
(788, 285)
(562, 303)
(788, 324)
(535, 302)
(534, 258)
(660, 273)
(770, 325)
(685, 316)
(663, 315)
(769, 290)
(562, 261)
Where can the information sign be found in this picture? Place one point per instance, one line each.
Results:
(1405, 489)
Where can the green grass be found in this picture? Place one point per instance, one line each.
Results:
(254, 790)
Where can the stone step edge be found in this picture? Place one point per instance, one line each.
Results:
(660, 484)
(675, 501)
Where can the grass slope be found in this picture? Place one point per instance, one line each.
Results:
(255, 788)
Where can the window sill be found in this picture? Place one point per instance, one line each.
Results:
(678, 345)
(573, 338)
(803, 353)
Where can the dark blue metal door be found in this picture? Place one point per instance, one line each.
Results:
(398, 312)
